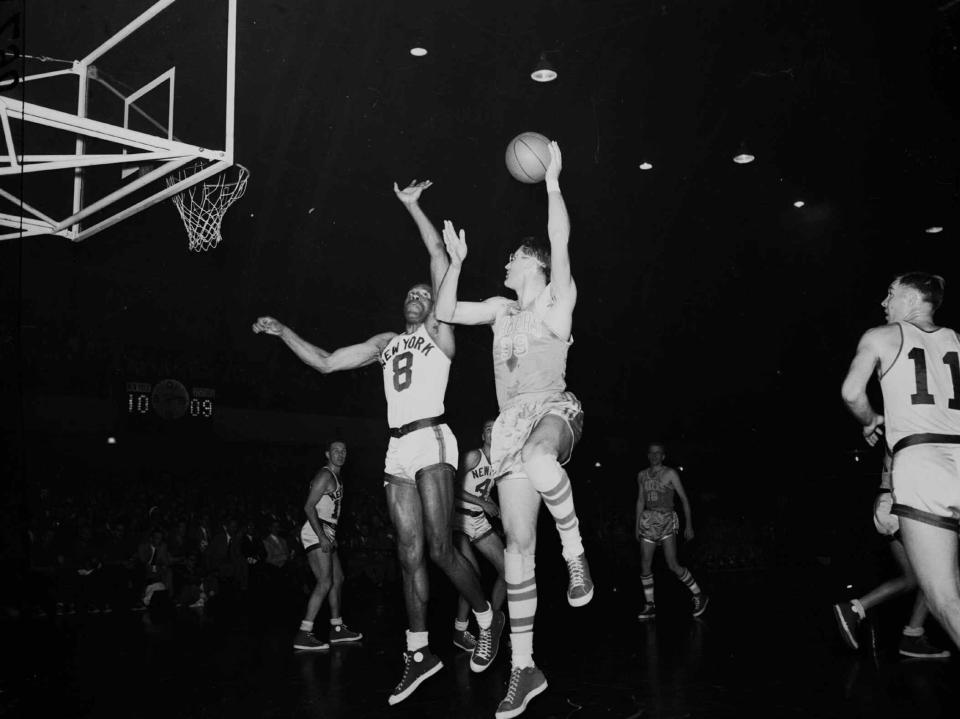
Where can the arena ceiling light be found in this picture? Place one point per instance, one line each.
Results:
(799, 203)
(743, 156)
(543, 71)
(645, 165)
(418, 51)
(934, 230)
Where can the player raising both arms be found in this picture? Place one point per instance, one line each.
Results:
(539, 422)
(422, 454)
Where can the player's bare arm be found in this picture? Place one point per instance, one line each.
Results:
(442, 334)
(641, 503)
(321, 484)
(344, 358)
(674, 479)
(873, 353)
(563, 289)
(448, 308)
(410, 197)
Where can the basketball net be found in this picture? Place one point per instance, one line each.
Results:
(202, 206)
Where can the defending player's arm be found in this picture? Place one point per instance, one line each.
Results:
(345, 358)
(448, 308)
(410, 197)
(854, 389)
(674, 479)
(641, 503)
(322, 484)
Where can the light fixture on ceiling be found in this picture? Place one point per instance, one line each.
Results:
(934, 230)
(798, 203)
(743, 156)
(645, 165)
(418, 51)
(544, 71)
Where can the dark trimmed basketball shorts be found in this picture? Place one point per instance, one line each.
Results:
(657, 525)
(926, 484)
(518, 420)
(471, 522)
(422, 449)
(309, 539)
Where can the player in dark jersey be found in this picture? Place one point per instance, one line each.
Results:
(918, 364)
(472, 529)
(657, 525)
(420, 465)
(319, 539)
(539, 424)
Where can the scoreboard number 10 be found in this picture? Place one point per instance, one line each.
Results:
(170, 399)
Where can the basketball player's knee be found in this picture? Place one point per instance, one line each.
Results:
(676, 568)
(322, 587)
(410, 554)
(524, 542)
(440, 550)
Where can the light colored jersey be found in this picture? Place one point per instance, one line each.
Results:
(478, 482)
(657, 493)
(415, 373)
(528, 358)
(328, 506)
(921, 389)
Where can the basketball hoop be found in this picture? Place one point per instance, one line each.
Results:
(203, 205)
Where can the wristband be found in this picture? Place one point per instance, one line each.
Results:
(553, 185)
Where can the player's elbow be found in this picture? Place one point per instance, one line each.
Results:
(445, 314)
(321, 364)
(850, 392)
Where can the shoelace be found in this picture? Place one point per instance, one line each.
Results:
(485, 641)
(514, 683)
(406, 670)
(576, 572)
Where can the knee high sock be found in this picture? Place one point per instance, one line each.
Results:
(689, 581)
(519, 571)
(551, 481)
(647, 581)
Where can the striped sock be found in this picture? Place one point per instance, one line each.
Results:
(519, 571)
(551, 481)
(647, 581)
(688, 580)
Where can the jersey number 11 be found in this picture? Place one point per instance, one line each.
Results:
(922, 396)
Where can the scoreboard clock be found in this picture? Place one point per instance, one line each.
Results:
(170, 399)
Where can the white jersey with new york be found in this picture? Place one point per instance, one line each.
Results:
(415, 374)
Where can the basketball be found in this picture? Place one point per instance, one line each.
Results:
(528, 157)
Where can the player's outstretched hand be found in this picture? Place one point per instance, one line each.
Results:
(556, 162)
(268, 325)
(688, 533)
(411, 193)
(456, 243)
(873, 431)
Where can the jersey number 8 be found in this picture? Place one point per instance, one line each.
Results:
(402, 371)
